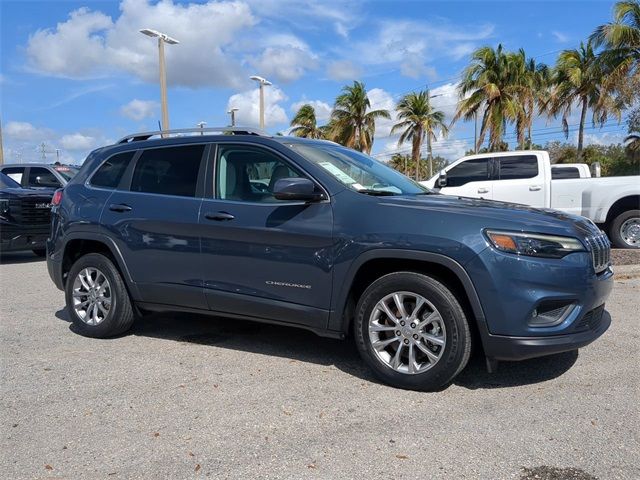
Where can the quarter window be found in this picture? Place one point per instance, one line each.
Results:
(513, 168)
(15, 173)
(476, 170)
(110, 172)
(564, 172)
(249, 174)
(168, 171)
(39, 176)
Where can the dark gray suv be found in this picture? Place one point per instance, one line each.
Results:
(311, 234)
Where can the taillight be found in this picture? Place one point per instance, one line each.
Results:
(57, 198)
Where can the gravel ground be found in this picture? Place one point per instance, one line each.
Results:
(186, 397)
(622, 256)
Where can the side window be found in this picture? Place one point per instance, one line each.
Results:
(513, 168)
(566, 172)
(249, 174)
(39, 177)
(111, 171)
(168, 170)
(14, 173)
(475, 170)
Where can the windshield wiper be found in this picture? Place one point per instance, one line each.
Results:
(381, 193)
(430, 192)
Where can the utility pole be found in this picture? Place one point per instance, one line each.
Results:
(1, 147)
(232, 112)
(475, 132)
(162, 39)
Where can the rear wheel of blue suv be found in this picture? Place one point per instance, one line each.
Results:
(311, 234)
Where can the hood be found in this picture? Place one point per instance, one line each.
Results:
(498, 215)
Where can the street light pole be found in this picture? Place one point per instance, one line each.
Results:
(232, 112)
(262, 82)
(201, 125)
(162, 39)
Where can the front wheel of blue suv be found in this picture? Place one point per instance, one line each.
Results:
(412, 331)
(97, 299)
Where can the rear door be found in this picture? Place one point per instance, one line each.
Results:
(519, 179)
(470, 178)
(153, 218)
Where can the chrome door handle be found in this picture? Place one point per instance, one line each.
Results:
(534, 188)
(483, 190)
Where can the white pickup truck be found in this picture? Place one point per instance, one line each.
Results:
(525, 177)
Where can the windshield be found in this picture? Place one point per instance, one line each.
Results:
(358, 171)
(7, 182)
(67, 171)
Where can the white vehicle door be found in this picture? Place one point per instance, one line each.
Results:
(470, 178)
(519, 179)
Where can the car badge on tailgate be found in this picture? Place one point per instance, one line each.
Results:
(43, 205)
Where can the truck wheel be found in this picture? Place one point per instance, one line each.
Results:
(411, 330)
(97, 299)
(624, 231)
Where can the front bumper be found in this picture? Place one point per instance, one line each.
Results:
(511, 288)
(14, 237)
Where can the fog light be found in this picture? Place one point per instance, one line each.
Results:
(551, 313)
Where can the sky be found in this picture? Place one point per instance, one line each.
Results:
(78, 75)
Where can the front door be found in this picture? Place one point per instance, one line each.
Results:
(470, 178)
(154, 221)
(264, 257)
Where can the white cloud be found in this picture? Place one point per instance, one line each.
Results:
(25, 131)
(383, 100)
(411, 45)
(604, 138)
(139, 109)
(445, 98)
(323, 109)
(286, 58)
(248, 105)
(340, 70)
(451, 149)
(91, 43)
(77, 142)
(560, 37)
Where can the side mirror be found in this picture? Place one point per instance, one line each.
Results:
(596, 169)
(296, 189)
(442, 180)
(44, 182)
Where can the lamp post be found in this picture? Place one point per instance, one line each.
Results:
(162, 39)
(232, 112)
(201, 125)
(262, 82)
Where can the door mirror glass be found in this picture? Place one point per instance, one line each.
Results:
(296, 189)
(442, 180)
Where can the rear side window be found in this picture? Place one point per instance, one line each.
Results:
(564, 172)
(39, 176)
(110, 172)
(513, 168)
(475, 170)
(168, 171)
(15, 173)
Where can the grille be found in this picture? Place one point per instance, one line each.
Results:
(30, 211)
(600, 251)
(591, 319)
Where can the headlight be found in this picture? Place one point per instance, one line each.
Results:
(534, 244)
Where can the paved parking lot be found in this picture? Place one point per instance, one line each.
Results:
(187, 397)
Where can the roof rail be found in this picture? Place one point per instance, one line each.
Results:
(137, 137)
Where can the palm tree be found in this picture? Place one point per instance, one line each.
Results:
(352, 121)
(621, 39)
(578, 80)
(488, 89)
(419, 120)
(531, 82)
(305, 125)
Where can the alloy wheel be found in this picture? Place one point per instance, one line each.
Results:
(92, 297)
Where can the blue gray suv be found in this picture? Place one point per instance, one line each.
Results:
(311, 234)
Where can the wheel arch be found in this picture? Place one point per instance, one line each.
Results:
(77, 245)
(628, 202)
(373, 264)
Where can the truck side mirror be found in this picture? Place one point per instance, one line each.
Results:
(596, 169)
(442, 180)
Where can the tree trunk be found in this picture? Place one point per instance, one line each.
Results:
(583, 116)
(415, 152)
(430, 155)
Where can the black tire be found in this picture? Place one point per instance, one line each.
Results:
(120, 315)
(41, 252)
(456, 350)
(614, 229)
